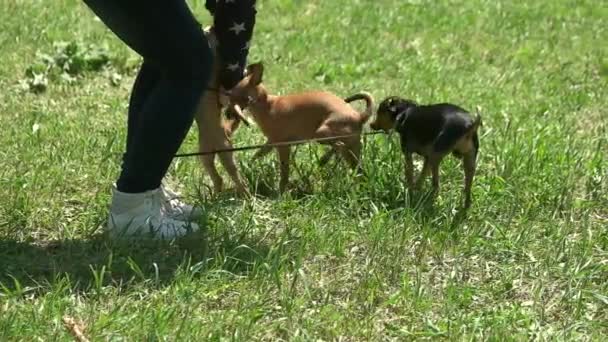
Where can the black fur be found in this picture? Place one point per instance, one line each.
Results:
(432, 131)
(439, 124)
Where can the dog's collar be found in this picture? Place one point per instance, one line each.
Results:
(402, 117)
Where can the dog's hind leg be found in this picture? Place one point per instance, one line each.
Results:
(263, 151)
(324, 132)
(326, 157)
(351, 152)
(434, 162)
(469, 164)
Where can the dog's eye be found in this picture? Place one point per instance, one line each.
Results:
(392, 108)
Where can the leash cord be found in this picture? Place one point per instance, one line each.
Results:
(278, 144)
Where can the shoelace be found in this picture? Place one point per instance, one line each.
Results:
(173, 201)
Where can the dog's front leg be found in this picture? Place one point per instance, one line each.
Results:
(409, 165)
(423, 173)
(227, 159)
(284, 152)
(208, 162)
(409, 170)
(208, 130)
(469, 164)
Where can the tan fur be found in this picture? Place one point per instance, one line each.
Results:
(308, 115)
(214, 132)
(465, 145)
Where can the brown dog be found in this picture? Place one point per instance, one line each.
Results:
(309, 115)
(432, 131)
(214, 131)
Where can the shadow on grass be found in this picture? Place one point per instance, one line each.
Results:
(38, 264)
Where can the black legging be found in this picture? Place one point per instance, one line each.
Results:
(177, 66)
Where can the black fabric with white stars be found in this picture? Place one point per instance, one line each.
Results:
(233, 22)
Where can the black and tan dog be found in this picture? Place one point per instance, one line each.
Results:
(432, 131)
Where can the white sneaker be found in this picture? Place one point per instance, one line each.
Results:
(142, 214)
(175, 208)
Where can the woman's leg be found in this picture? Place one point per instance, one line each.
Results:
(171, 41)
(146, 80)
(177, 66)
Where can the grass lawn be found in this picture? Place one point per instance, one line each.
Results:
(337, 258)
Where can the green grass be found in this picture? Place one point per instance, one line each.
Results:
(338, 259)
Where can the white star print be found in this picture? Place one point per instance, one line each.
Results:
(233, 67)
(237, 28)
(246, 47)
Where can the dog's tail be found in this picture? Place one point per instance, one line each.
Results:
(472, 130)
(369, 103)
(476, 124)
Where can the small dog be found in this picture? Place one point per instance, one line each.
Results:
(215, 131)
(432, 131)
(309, 115)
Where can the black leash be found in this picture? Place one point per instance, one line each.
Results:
(278, 144)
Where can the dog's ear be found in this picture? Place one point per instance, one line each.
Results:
(404, 104)
(256, 71)
(394, 107)
(391, 105)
